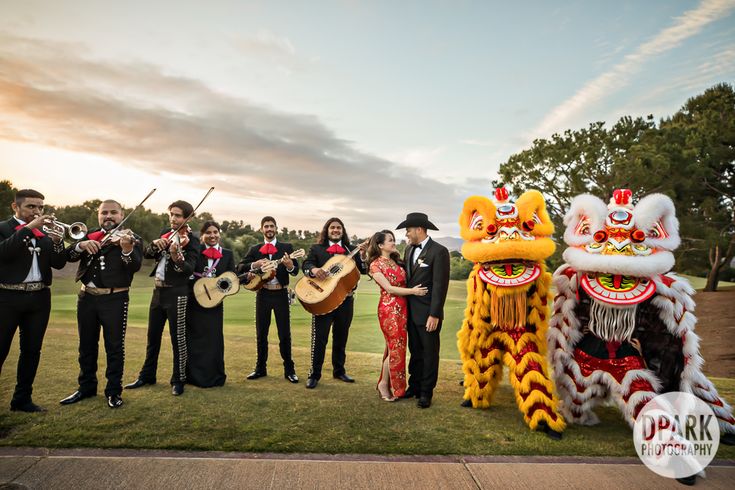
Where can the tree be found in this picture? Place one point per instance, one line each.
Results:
(7, 194)
(707, 125)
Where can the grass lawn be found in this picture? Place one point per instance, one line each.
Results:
(272, 415)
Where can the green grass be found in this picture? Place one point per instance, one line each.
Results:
(270, 414)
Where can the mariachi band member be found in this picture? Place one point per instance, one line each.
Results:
(26, 257)
(205, 339)
(105, 270)
(175, 258)
(333, 240)
(272, 297)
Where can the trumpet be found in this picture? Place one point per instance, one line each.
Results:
(75, 231)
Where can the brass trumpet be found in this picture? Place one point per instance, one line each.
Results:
(75, 231)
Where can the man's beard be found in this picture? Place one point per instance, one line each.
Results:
(270, 235)
(108, 225)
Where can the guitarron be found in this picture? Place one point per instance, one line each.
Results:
(322, 296)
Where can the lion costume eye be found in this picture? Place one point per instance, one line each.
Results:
(476, 221)
(583, 227)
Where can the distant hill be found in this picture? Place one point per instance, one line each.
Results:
(452, 243)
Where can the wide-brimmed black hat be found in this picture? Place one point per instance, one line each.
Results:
(417, 219)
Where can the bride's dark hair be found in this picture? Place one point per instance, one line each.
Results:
(373, 252)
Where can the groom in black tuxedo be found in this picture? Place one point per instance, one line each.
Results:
(427, 263)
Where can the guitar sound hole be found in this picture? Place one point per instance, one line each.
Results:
(335, 269)
(223, 284)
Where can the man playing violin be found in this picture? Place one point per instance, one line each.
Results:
(333, 240)
(175, 254)
(26, 257)
(272, 297)
(108, 258)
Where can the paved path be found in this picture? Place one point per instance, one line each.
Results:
(80, 469)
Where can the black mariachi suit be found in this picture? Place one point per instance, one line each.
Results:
(107, 269)
(423, 368)
(27, 310)
(341, 317)
(267, 300)
(205, 339)
(169, 303)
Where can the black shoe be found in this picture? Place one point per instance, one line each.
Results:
(688, 481)
(138, 383)
(177, 389)
(76, 397)
(551, 433)
(345, 378)
(29, 407)
(256, 374)
(291, 377)
(466, 404)
(311, 383)
(114, 401)
(424, 402)
(728, 439)
(410, 393)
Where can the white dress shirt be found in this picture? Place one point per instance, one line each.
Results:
(34, 274)
(417, 251)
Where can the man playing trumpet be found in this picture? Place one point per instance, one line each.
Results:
(106, 268)
(175, 255)
(26, 257)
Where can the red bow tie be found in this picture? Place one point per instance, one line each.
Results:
(37, 233)
(212, 253)
(336, 249)
(96, 235)
(268, 249)
(167, 235)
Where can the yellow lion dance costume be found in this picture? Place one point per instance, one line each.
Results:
(508, 299)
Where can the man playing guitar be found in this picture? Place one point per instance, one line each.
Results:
(272, 297)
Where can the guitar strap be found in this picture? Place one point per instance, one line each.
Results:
(205, 272)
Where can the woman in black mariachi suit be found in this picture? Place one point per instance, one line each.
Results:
(204, 336)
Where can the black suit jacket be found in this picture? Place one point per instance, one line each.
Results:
(281, 272)
(175, 274)
(318, 256)
(225, 264)
(118, 271)
(16, 259)
(434, 274)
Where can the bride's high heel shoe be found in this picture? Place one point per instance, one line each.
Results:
(386, 398)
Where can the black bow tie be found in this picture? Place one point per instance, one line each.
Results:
(419, 245)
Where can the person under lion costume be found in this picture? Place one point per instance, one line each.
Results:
(622, 330)
(508, 299)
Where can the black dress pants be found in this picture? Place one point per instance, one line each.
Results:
(275, 301)
(109, 312)
(423, 368)
(166, 304)
(340, 319)
(29, 312)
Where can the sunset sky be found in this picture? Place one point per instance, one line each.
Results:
(305, 110)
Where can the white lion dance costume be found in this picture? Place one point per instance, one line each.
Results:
(508, 299)
(623, 328)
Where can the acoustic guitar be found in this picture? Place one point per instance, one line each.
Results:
(210, 291)
(263, 276)
(322, 296)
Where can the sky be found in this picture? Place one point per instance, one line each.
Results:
(307, 110)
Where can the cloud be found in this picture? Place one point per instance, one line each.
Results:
(276, 49)
(684, 27)
(136, 114)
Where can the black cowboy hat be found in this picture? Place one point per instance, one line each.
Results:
(417, 219)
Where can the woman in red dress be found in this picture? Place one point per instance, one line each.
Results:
(386, 269)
